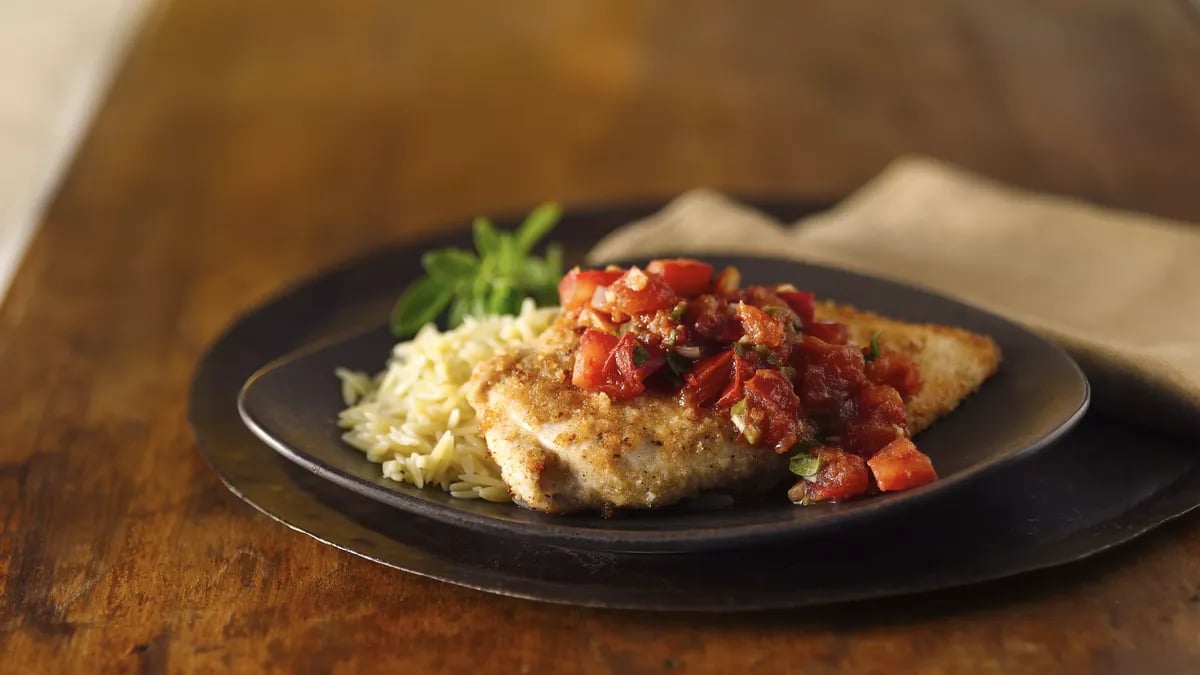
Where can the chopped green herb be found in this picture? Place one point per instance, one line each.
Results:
(739, 414)
(805, 463)
(493, 280)
(640, 355)
(873, 352)
(678, 311)
(678, 364)
(741, 347)
(773, 310)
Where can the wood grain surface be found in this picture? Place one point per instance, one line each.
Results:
(246, 144)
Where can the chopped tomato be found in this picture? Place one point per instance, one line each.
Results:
(685, 276)
(707, 378)
(594, 349)
(878, 420)
(636, 292)
(841, 476)
(830, 374)
(578, 286)
(742, 371)
(801, 303)
(760, 327)
(830, 331)
(707, 314)
(780, 376)
(772, 404)
(635, 361)
(896, 371)
(727, 282)
(900, 466)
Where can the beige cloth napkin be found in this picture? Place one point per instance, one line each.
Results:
(1119, 290)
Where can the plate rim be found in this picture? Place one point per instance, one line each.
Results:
(657, 540)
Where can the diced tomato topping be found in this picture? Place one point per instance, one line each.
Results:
(742, 371)
(896, 371)
(828, 331)
(590, 359)
(900, 466)
(636, 292)
(879, 419)
(760, 327)
(707, 378)
(830, 374)
(782, 377)
(685, 276)
(578, 286)
(801, 303)
(635, 361)
(727, 282)
(772, 404)
(841, 476)
(707, 314)
(616, 366)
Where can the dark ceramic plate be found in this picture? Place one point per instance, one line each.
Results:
(292, 404)
(1076, 498)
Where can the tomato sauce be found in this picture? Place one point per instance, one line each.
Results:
(787, 381)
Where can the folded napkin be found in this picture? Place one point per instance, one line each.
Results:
(1119, 290)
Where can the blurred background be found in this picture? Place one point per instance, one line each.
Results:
(359, 122)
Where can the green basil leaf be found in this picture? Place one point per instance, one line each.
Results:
(487, 240)
(503, 297)
(419, 305)
(554, 263)
(537, 225)
(509, 258)
(458, 310)
(450, 264)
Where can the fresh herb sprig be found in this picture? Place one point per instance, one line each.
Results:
(493, 280)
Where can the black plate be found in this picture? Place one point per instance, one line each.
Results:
(1076, 498)
(293, 404)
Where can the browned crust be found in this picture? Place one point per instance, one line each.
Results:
(952, 362)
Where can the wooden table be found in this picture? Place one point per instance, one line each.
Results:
(246, 144)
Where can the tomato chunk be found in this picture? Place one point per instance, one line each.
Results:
(896, 371)
(636, 361)
(637, 292)
(706, 379)
(801, 303)
(726, 283)
(900, 466)
(830, 374)
(828, 331)
(706, 313)
(742, 371)
(772, 405)
(841, 476)
(760, 327)
(685, 276)
(878, 420)
(590, 359)
(576, 289)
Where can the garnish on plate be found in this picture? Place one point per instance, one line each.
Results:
(494, 279)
